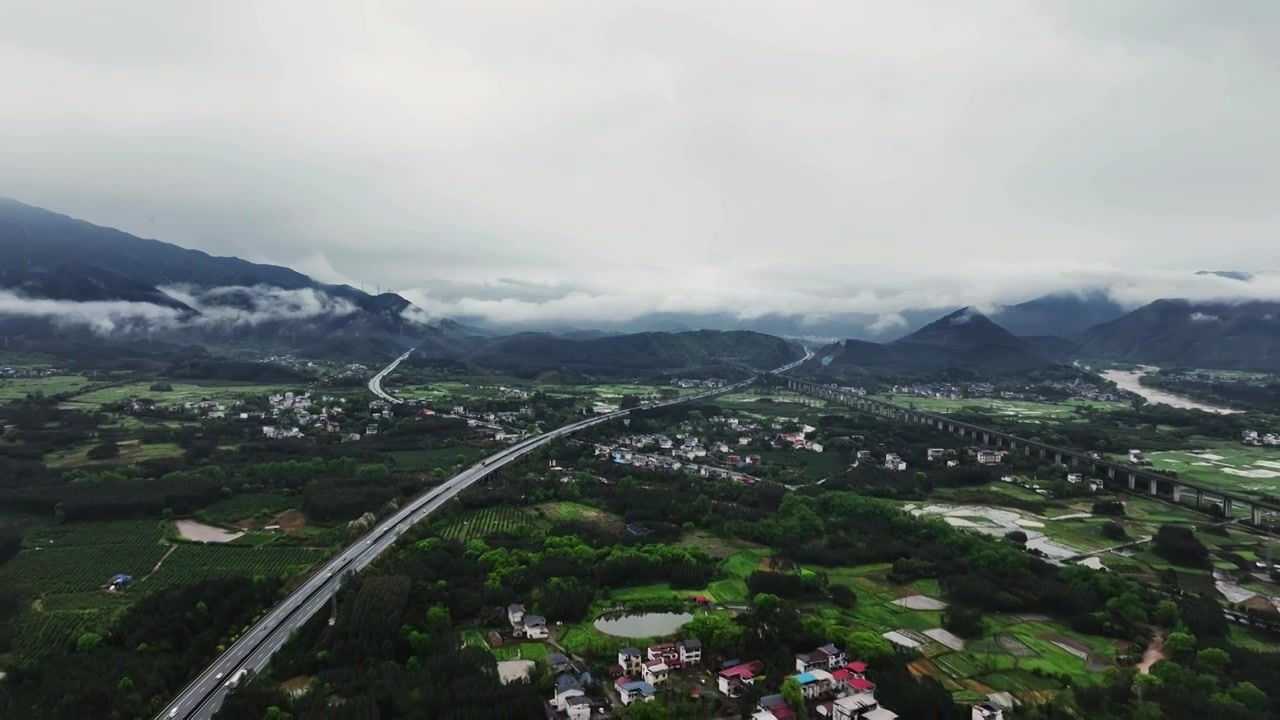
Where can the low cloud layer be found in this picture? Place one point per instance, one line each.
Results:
(877, 302)
(225, 308)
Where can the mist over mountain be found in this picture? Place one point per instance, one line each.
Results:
(58, 273)
(1243, 335)
(1059, 315)
(963, 339)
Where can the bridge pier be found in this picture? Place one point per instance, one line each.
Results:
(1177, 493)
(1227, 508)
(1255, 515)
(1133, 481)
(1200, 499)
(1154, 487)
(1057, 458)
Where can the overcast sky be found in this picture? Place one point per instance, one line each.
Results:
(568, 160)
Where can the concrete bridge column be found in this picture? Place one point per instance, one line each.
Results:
(1111, 473)
(1152, 482)
(1177, 493)
(1133, 481)
(1227, 509)
(1200, 499)
(1043, 452)
(1057, 458)
(1255, 515)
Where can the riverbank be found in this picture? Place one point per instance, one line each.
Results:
(1131, 381)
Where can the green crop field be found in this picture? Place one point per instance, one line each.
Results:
(131, 451)
(1022, 409)
(19, 388)
(192, 563)
(182, 392)
(432, 458)
(479, 523)
(1231, 467)
(64, 569)
(245, 506)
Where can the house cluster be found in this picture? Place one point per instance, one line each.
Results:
(29, 372)
(797, 440)
(708, 384)
(639, 674)
(570, 695)
(1252, 437)
(525, 624)
(210, 409)
(892, 461)
(734, 676)
(945, 391)
(835, 688)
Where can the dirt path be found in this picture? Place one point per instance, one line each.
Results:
(160, 562)
(1153, 654)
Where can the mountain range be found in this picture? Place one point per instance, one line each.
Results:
(65, 283)
(963, 339)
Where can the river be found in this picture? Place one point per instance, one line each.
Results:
(1128, 380)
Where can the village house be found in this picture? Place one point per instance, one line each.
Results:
(773, 707)
(936, 453)
(630, 660)
(632, 691)
(987, 711)
(990, 457)
(567, 686)
(655, 672)
(815, 683)
(1075, 478)
(578, 707)
(893, 462)
(690, 651)
(858, 706)
(827, 657)
(732, 681)
(535, 627)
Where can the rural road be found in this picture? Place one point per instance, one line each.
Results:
(252, 651)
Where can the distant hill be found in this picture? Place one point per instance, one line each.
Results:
(1061, 314)
(210, 299)
(1227, 336)
(528, 353)
(963, 339)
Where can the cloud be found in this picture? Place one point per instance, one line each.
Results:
(612, 159)
(886, 322)
(1197, 317)
(224, 308)
(100, 316)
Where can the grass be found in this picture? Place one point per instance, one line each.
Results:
(246, 506)
(182, 392)
(20, 388)
(1219, 465)
(63, 570)
(131, 451)
(431, 458)
(1072, 411)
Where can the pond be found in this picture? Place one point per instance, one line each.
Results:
(641, 625)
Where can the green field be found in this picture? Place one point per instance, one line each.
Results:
(245, 506)
(19, 388)
(63, 569)
(1226, 466)
(479, 523)
(131, 451)
(1073, 410)
(183, 392)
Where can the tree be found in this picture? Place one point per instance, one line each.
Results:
(1166, 614)
(717, 631)
(963, 621)
(125, 686)
(275, 713)
(88, 642)
(793, 694)
(1248, 695)
(1213, 659)
(375, 471)
(867, 645)
(1180, 645)
(1017, 536)
(105, 451)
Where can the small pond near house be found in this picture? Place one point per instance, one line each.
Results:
(641, 625)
